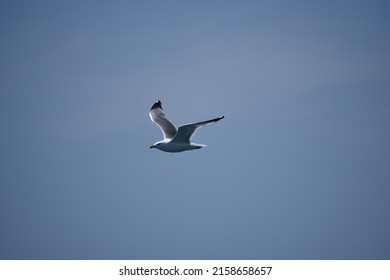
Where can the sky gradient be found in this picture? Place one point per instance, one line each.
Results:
(298, 169)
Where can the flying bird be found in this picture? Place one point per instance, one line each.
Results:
(175, 140)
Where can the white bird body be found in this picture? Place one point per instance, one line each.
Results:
(175, 140)
(168, 146)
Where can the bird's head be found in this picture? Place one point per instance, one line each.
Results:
(155, 145)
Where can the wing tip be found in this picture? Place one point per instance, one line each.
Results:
(218, 119)
(156, 105)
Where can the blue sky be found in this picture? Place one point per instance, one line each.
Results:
(298, 169)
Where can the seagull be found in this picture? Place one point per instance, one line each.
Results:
(175, 140)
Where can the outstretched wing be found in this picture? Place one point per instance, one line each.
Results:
(185, 132)
(157, 116)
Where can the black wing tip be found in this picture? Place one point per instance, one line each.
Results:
(218, 119)
(156, 105)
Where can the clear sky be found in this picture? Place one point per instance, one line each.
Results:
(298, 169)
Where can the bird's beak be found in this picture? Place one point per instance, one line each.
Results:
(151, 146)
